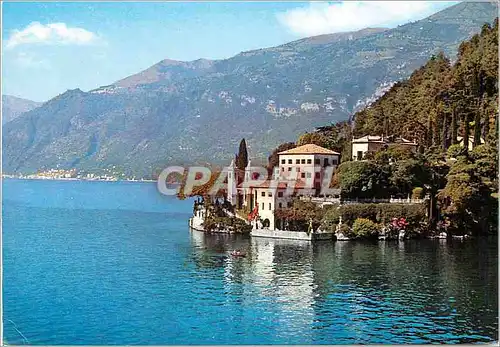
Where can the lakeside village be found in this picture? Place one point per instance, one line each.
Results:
(292, 204)
(73, 174)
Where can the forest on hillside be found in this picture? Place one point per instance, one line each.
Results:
(441, 103)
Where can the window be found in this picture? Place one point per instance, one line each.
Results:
(317, 175)
(308, 175)
(303, 175)
(309, 161)
(325, 162)
(317, 162)
(360, 155)
(270, 194)
(297, 161)
(289, 169)
(280, 194)
(282, 169)
(298, 169)
(270, 207)
(280, 205)
(262, 206)
(263, 194)
(283, 161)
(334, 161)
(289, 161)
(303, 161)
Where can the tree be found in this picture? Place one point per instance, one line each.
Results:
(314, 138)
(242, 156)
(273, 159)
(468, 197)
(363, 179)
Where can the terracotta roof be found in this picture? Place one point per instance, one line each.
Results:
(309, 149)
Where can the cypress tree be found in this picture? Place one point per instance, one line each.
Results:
(242, 157)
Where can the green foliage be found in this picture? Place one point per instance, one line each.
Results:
(469, 198)
(365, 228)
(406, 174)
(330, 219)
(299, 215)
(382, 213)
(455, 151)
(417, 193)
(273, 159)
(363, 179)
(338, 137)
(314, 138)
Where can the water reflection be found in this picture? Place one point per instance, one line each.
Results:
(351, 292)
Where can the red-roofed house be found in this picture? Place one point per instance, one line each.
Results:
(300, 172)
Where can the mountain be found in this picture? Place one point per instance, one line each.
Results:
(181, 112)
(12, 107)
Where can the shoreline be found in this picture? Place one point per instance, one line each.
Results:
(75, 179)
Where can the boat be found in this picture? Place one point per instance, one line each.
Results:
(238, 253)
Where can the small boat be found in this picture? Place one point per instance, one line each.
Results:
(238, 253)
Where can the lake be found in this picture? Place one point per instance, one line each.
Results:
(100, 263)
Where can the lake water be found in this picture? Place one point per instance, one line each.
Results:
(115, 263)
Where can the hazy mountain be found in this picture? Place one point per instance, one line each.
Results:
(179, 112)
(13, 106)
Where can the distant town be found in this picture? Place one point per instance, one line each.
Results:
(73, 174)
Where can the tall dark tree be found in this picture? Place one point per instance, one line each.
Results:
(242, 156)
(466, 137)
(444, 135)
(453, 126)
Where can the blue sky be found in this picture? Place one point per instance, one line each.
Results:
(50, 47)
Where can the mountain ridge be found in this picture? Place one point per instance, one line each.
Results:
(198, 112)
(13, 107)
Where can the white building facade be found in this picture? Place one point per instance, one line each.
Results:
(300, 172)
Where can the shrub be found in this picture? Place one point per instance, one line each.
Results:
(417, 193)
(365, 228)
(331, 219)
(350, 212)
(455, 151)
(415, 214)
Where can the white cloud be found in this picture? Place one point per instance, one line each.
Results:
(52, 33)
(324, 18)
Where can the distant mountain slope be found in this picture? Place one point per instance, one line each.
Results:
(13, 106)
(179, 112)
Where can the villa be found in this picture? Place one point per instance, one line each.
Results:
(300, 172)
(369, 143)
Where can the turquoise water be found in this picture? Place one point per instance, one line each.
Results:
(114, 263)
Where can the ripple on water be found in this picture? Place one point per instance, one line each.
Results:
(121, 274)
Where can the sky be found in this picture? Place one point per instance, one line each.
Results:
(48, 48)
